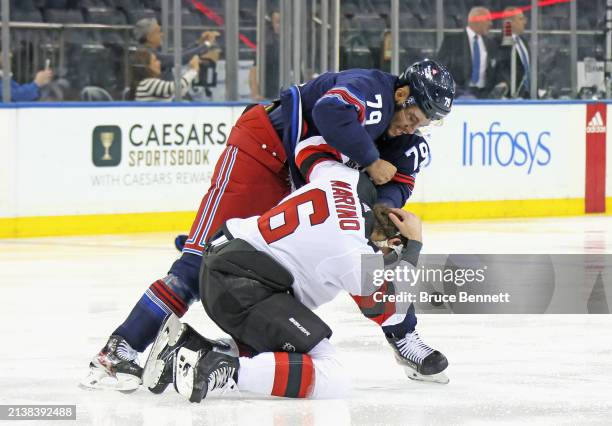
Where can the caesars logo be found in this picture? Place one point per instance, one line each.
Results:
(158, 145)
(106, 146)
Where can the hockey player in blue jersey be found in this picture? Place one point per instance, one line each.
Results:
(361, 114)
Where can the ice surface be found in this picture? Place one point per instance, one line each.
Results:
(61, 297)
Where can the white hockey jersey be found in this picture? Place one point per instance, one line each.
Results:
(318, 233)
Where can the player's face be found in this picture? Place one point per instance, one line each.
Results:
(382, 242)
(407, 121)
(378, 238)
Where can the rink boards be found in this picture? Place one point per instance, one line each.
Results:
(117, 167)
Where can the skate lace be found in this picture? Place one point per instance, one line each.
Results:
(221, 379)
(125, 352)
(413, 348)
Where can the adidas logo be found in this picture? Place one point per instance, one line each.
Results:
(596, 125)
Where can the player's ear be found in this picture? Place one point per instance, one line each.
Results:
(401, 94)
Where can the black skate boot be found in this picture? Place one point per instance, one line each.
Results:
(115, 367)
(172, 336)
(197, 377)
(420, 362)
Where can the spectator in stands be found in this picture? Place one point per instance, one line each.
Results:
(26, 92)
(470, 55)
(145, 81)
(386, 52)
(517, 22)
(149, 35)
(271, 91)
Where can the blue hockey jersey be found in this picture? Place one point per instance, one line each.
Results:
(406, 152)
(351, 110)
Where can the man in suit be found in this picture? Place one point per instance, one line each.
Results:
(517, 21)
(470, 55)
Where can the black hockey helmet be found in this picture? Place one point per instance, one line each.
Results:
(432, 88)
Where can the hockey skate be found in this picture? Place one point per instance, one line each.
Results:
(197, 376)
(420, 362)
(115, 367)
(174, 335)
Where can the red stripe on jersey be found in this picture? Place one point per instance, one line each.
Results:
(315, 149)
(349, 99)
(371, 308)
(382, 318)
(308, 377)
(399, 177)
(169, 297)
(362, 302)
(281, 373)
(203, 217)
(407, 180)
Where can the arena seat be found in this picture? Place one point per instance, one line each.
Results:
(371, 27)
(63, 16)
(591, 45)
(26, 15)
(56, 4)
(22, 5)
(247, 13)
(455, 14)
(107, 17)
(128, 4)
(135, 15)
(153, 4)
(95, 94)
(95, 4)
(381, 7)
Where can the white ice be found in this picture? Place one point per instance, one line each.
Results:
(61, 297)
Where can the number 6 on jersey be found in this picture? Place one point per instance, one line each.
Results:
(290, 215)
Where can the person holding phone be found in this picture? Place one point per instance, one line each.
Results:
(30, 91)
(145, 79)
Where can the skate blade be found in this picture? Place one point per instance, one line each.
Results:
(169, 333)
(440, 378)
(99, 379)
(184, 371)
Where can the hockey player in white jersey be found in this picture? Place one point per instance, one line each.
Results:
(261, 278)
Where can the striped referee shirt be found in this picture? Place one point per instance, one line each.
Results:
(156, 89)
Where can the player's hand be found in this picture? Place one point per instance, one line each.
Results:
(408, 224)
(381, 171)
